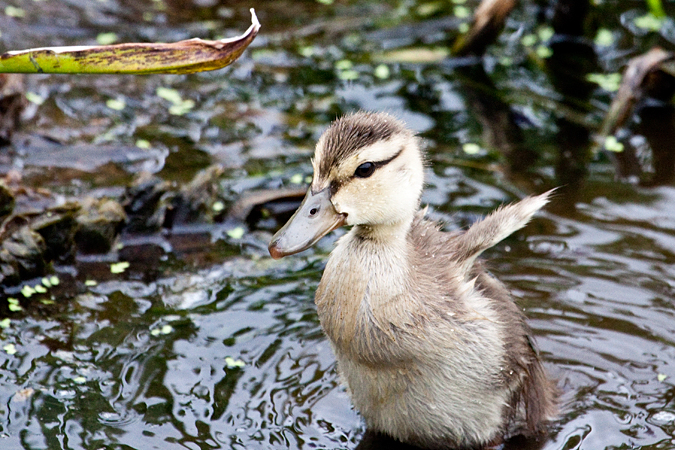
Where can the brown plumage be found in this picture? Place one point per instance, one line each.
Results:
(432, 349)
(347, 135)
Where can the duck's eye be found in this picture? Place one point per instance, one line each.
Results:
(365, 170)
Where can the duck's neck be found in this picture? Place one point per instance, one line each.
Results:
(368, 268)
(390, 234)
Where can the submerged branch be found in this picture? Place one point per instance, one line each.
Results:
(640, 77)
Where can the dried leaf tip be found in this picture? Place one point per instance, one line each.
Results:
(254, 19)
(252, 30)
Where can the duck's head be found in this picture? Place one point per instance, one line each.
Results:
(368, 170)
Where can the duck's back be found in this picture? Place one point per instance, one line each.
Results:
(444, 255)
(432, 348)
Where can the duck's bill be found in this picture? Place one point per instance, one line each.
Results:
(315, 218)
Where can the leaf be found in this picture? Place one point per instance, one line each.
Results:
(382, 72)
(27, 291)
(34, 98)
(189, 56)
(429, 9)
(179, 106)
(40, 289)
(169, 94)
(545, 33)
(649, 22)
(604, 38)
(544, 51)
(236, 233)
(471, 148)
(461, 12)
(182, 108)
(218, 206)
(10, 349)
(529, 40)
(612, 144)
(344, 64)
(348, 75)
(119, 267)
(232, 363)
(297, 178)
(13, 11)
(609, 82)
(656, 8)
(106, 38)
(116, 104)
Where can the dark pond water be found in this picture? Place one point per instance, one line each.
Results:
(205, 342)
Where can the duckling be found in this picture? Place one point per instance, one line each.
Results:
(432, 349)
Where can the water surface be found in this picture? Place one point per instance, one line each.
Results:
(205, 342)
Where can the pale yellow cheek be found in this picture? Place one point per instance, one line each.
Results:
(362, 201)
(343, 200)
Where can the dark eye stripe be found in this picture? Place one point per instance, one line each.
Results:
(379, 164)
(335, 185)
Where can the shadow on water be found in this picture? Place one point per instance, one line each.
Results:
(204, 342)
(376, 441)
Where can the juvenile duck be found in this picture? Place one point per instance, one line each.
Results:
(432, 349)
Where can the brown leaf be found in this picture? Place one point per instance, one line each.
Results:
(193, 55)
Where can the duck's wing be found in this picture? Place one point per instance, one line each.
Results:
(493, 228)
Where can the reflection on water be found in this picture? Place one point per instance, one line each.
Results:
(218, 346)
